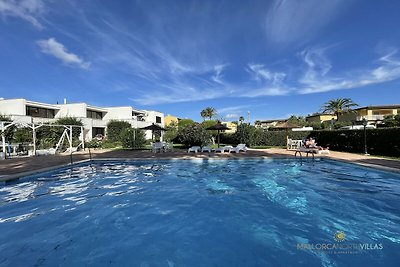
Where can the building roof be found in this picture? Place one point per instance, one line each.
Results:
(320, 114)
(380, 107)
(40, 105)
(267, 121)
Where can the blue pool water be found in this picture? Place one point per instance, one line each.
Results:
(202, 213)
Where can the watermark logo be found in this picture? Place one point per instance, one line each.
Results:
(339, 236)
(341, 246)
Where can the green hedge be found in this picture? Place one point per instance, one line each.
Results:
(259, 137)
(384, 141)
(381, 141)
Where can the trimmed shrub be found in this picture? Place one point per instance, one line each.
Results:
(133, 138)
(115, 128)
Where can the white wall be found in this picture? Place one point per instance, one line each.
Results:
(118, 113)
(77, 110)
(151, 117)
(13, 107)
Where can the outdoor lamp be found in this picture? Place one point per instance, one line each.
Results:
(365, 122)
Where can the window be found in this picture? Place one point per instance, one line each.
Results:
(40, 112)
(94, 115)
(158, 119)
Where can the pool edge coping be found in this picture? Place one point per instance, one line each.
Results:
(7, 178)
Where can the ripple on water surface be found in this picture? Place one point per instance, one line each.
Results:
(199, 213)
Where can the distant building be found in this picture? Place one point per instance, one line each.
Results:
(320, 117)
(170, 119)
(231, 125)
(265, 124)
(94, 118)
(375, 114)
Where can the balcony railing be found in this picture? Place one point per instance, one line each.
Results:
(371, 117)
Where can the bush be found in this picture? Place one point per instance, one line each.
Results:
(194, 135)
(48, 136)
(94, 143)
(9, 132)
(246, 134)
(115, 128)
(133, 138)
(22, 135)
(171, 132)
(110, 144)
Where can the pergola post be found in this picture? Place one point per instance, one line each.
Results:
(70, 138)
(83, 138)
(3, 138)
(34, 138)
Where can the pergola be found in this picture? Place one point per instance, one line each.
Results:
(4, 125)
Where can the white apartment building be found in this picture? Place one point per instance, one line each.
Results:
(94, 119)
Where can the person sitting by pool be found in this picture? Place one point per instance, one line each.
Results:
(310, 143)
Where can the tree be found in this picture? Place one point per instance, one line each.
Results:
(241, 119)
(391, 121)
(171, 131)
(245, 134)
(194, 134)
(185, 122)
(204, 114)
(297, 120)
(114, 129)
(339, 106)
(209, 113)
(9, 132)
(132, 138)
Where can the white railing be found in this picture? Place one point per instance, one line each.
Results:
(371, 117)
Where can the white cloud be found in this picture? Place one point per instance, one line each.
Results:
(288, 21)
(272, 83)
(217, 77)
(58, 50)
(316, 78)
(231, 116)
(28, 10)
(260, 73)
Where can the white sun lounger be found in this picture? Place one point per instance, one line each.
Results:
(206, 149)
(310, 150)
(194, 149)
(219, 149)
(238, 148)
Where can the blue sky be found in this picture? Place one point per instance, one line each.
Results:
(272, 58)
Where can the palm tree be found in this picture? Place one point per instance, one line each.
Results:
(339, 106)
(204, 114)
(211, 112)
(241, 119)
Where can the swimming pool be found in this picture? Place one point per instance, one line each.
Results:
(252, 212)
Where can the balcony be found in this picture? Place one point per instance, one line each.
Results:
(371, 117)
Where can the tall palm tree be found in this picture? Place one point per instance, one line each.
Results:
(211, 112)
(204, 114)
(339, 106)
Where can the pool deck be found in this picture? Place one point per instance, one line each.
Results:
(17, 167)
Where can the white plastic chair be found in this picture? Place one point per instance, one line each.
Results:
(157, 147)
